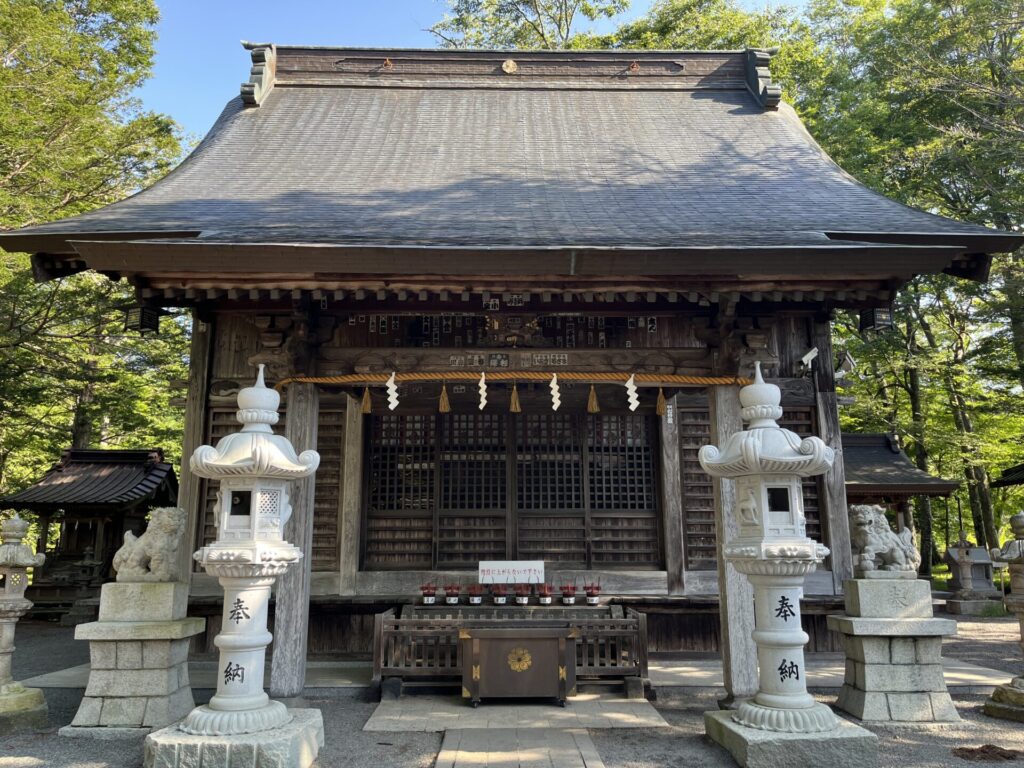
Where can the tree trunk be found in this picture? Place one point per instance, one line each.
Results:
(924, 504)
(977, 480)
(82, 426)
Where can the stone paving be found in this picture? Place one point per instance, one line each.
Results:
(518, 748)
(442, 713)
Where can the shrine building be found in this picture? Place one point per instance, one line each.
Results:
(498, 234)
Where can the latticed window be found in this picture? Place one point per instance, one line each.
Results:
(575, 490)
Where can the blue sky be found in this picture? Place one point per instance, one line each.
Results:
(200, 64)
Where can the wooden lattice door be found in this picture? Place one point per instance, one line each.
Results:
(575, 490)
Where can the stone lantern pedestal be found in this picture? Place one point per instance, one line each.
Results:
(20, 707)
(1007, 701)
(241, 725)
(782, 724)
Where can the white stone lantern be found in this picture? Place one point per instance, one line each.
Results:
(255, 468)
(19, 706)
(773, 550)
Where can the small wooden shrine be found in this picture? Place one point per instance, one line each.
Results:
(453, 263)
(94, 496)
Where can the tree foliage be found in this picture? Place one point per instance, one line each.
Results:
(73, 138)
(524, 24)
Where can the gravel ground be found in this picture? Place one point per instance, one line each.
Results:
(684, 743)
(45, 647)
(992, 643)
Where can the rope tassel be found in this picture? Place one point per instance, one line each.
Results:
(661, 407)
(592, 405)
(443, 406)
(513, 401)
(367, 404)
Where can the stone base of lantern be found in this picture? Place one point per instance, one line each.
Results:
(970, 607)
(845, 746)
(21, 709)
(138, 661)
(294, 744)
(893, 651)
(1007, 702)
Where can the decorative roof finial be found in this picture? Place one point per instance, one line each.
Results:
(761, 402)
(257, 406)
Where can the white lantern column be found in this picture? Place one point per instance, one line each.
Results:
(254, 467)
(773, 550)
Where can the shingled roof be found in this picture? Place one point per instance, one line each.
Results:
(875, 466)
(333, 149)
(1010, 476)
(93, 479)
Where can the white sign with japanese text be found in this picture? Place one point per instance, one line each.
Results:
(511, 571)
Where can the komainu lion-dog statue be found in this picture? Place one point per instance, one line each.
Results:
(153, 556)
(875, 546)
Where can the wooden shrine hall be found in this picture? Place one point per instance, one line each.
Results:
(540, 225)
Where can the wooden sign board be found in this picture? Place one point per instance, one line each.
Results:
(511, 572)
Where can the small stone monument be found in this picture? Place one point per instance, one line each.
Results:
(138, 649)
(1007, 700)
(893, 644)
(970, 578)
(20, 707)
(782, 724)
(241, 725)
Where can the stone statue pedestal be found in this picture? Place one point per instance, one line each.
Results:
(1007, 701)
(22, 708)
(893, 651)
(138, 651)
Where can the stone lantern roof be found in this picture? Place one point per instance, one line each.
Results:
(765, 448)
(255, 450)
(12, 551)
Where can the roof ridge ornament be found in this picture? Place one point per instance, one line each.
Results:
(759, 77)
(262, 74)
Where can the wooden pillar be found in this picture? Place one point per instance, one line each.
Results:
(351, 498)
(44, 533)
(189, 484)
(672, 497)
(834, 482)
(291, 609)
(735, 595)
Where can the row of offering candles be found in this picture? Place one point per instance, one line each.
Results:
(521, 593)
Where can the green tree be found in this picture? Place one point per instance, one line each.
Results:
(522, 24)
(72, 138)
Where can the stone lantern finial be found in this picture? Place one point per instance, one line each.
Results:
(760, 402)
